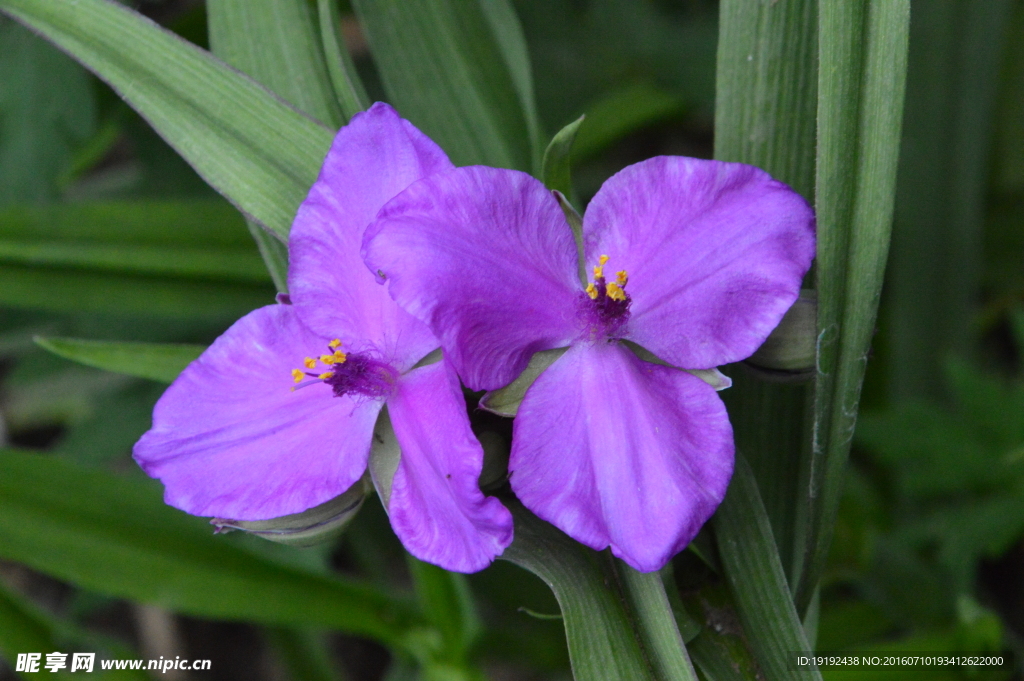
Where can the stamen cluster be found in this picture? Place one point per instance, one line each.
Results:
(335, 357)
(609, 308)
(349, 373)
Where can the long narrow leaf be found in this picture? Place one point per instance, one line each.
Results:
(157, 361)
(276, 43)
(448, 70)
(348, 87)
(200, 224)
(116, 536)
(68, 290)
(256, 150)
(863, 72)
(191, 263)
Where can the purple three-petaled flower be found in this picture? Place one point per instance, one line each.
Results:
(278, 414)
(695, 261)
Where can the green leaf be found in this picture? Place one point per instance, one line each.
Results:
(253, 148)
(157, 361)
(348, 88)
(205, 224)
(116, 536)
(604, 608)
(557, 157)
(157, 260)
(458, 70)
(26, 628)
(279, 45)
(508, 34)
(48, 109)
(863, 62)
(59, 290)
(756, 578)
(200, 239)
(276, 42)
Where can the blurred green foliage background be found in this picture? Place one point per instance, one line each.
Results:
(106, 233)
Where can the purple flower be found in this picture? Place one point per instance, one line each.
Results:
(695, 261)
(278, 414)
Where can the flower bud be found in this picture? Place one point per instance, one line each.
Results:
(790, 352)
(314, 526)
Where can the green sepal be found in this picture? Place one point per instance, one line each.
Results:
(505, 401)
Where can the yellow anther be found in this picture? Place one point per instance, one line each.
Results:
(602, 260)
(333, 345)
(327, 359)
(339, 356)
(309, 363)
(599, 268)
(621, 277)
(324, 376)
(592, 291)
(297, 374)
(615, 292)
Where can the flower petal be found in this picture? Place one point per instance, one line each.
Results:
(374, 157)
(230, 437)
(623, 453)
(486, 258)
(715, 253)
(436, 506)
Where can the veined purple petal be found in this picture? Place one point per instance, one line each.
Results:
(230, 437)
(373, 158)
(486, 258)
(436, 506)
(714, 251)
(623, 453)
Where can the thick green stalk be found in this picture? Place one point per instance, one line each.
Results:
(863, 61)
(618, 622)
(658, 631)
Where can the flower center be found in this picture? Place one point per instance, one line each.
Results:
(348, 373)
(605, 307)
